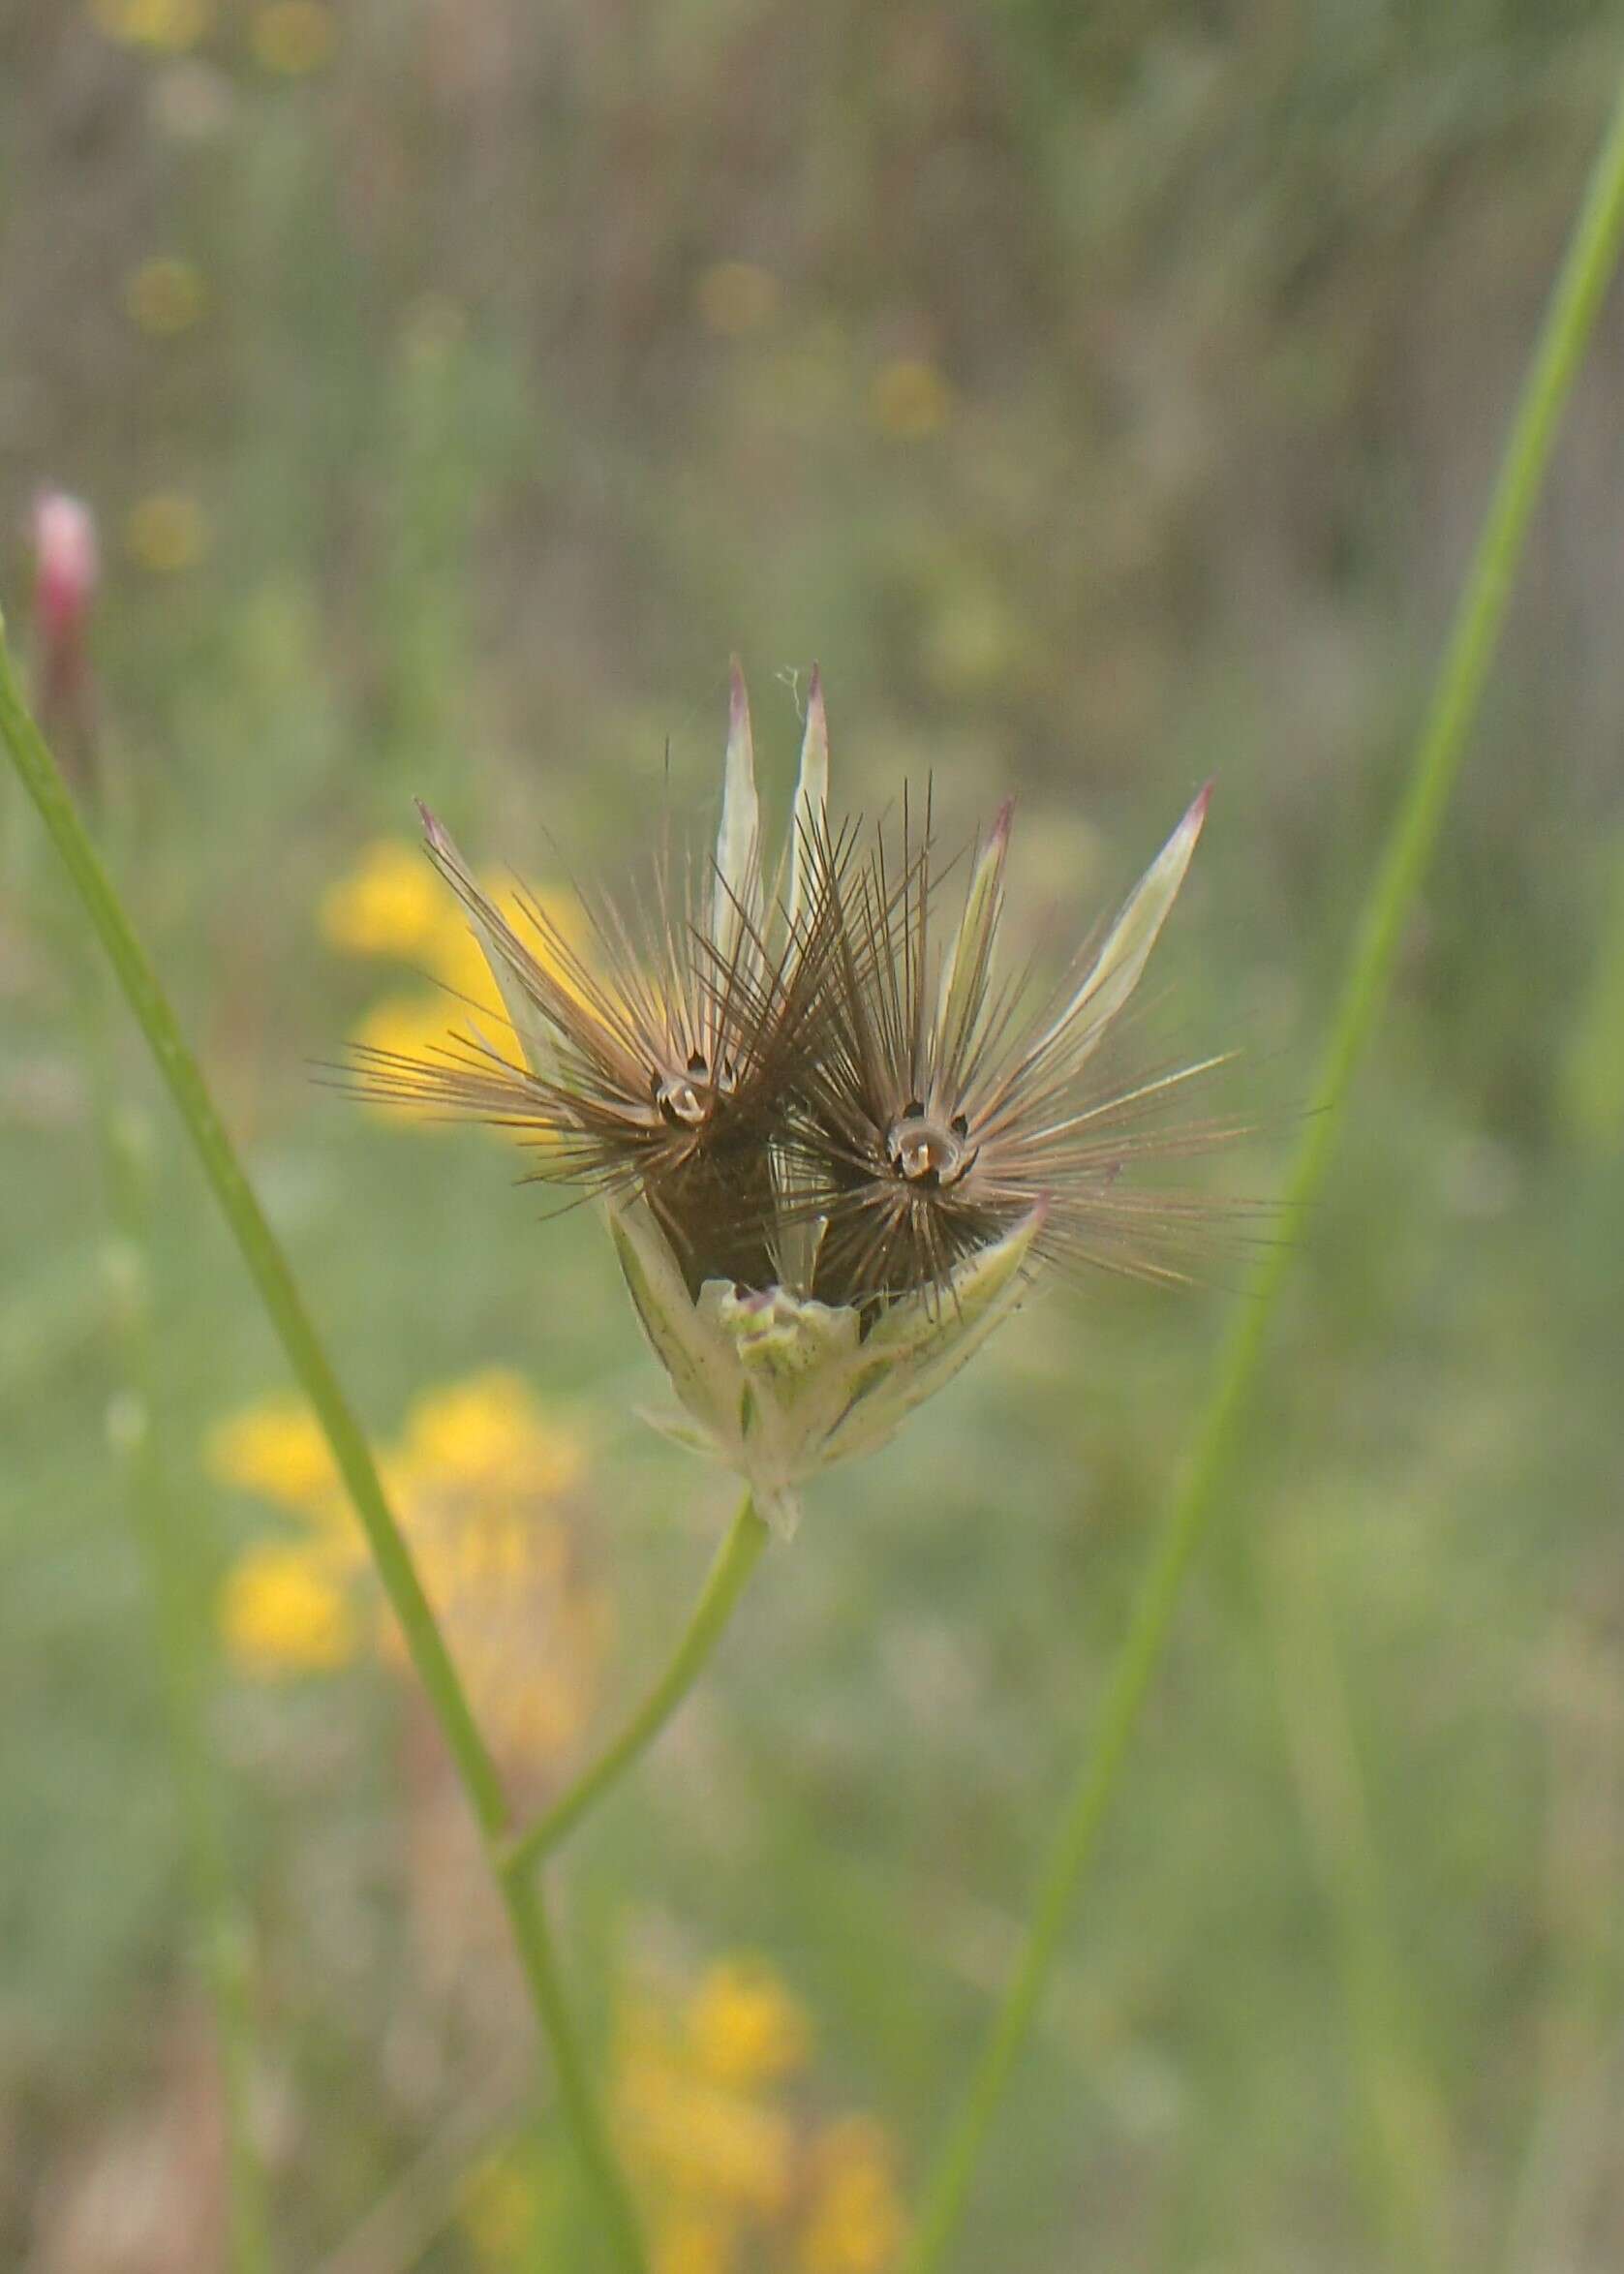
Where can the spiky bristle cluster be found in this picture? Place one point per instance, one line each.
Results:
(950, 1101)
(828, 1084)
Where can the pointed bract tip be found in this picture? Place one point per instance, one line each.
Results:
(1197, 814)
(1002, 820)
(434, 834)
(815, 693)
(738, 701)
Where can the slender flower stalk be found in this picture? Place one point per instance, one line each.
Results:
(181, 1615)
(1404, 2117)
(729, 1575)
(1589, 263)
(67, 572)
(284, 1308)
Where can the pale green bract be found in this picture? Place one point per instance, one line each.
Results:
(777, 1386)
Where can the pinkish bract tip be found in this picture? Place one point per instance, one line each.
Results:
(738, 701)
(437, 838)
(1001, 823)
(1197, 814)
(815, 693)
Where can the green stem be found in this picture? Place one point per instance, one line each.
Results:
(735, 1559)
(283, 1305)
(173, 1564)
(1406, 2131)
(1591, 257)
(527, 1916)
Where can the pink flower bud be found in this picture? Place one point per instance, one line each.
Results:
(69, 564)
(67, 571)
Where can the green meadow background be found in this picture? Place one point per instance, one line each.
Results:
(1106, 396)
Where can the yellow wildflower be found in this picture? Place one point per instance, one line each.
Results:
(528, 1634)
(855, 2224)
(170, 26)
(456, 962)
(284, 1611)
(744, 2025)
(294, 36)
(474, 1482)
(459, 963)
(732, 2175)
(708, 2145)
(165, 295)
(489, 1428)
(909, 400)
(694, 2242)
(407, 1026)
(276, 1449)
(388, 903)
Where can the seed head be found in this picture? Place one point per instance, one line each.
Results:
(659, 1059)
(833, 1139)
(948, 1102)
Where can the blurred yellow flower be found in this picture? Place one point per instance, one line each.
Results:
(476, 1480)
(294, 36)
(389, 903)
(165, 295)
(696, 2242)
(856, 2224)
(167, 532)
(744, 2027)
(909, 400)
(274, 1448)
(285, 1611)
(706, 2144)
(170, 26)
(735, 296)
(457, 963)
(406, 1026)
(487, 1429)
(731, 2174)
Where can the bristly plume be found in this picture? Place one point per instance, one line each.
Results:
(661, 1060)
(942, 1108)
(832, 1140)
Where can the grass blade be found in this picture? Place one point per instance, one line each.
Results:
(1580, 283)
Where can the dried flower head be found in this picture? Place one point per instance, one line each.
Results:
(657, 1059)
(947, 1103)
(831, 1141)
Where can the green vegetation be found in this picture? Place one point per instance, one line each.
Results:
(1105, 408)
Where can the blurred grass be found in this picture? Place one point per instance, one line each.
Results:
(1222, 313)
